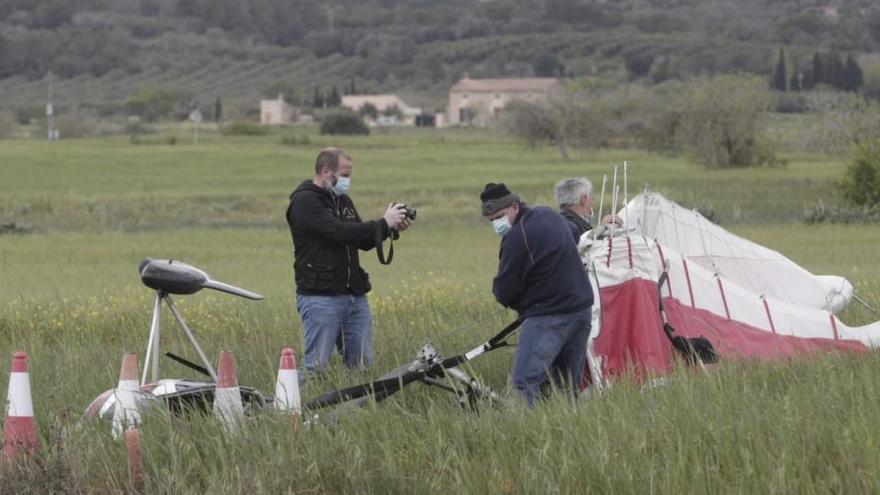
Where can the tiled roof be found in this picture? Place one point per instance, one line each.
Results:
(505, 85)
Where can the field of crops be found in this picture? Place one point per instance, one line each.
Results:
(90, 210)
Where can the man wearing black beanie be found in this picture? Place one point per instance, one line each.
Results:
(540, 275)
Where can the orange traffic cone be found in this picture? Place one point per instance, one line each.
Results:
(19, 430)
(125, 413)
(287, 398)
(227, 395)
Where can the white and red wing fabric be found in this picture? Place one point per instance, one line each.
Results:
(747, 300)
(749, 265)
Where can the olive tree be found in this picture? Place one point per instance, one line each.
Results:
(566, 119)
(723, 120)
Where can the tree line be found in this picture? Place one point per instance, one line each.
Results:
(829, 69)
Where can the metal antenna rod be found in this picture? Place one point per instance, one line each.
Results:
(865, 304)
(615, 187)
(598, 221)
(614, 207)
(625, 195)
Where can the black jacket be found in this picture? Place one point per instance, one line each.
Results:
(327, 233)
(539, 269)
(577, 223)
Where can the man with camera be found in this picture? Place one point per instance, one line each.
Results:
(540, 275)
(331, 286)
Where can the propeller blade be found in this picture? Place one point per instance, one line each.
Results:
(231, 289)
(384, 387)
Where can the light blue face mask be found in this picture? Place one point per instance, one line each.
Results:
(342, 185)
(501, 225)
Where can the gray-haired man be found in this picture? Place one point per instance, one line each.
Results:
(575, 199)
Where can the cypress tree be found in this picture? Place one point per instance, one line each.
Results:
(334, 100)
(818, 70)
(318, 99)
(218, 109)
(854, 75)
(779, 78)
(836, 74)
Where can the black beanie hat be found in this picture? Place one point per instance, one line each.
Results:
(496, 197)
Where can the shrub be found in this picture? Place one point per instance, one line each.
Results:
(860, 184)
(295, 140)
(722, 122)
(244, 128)
(75, 126)
(842, 214)
(344, 122)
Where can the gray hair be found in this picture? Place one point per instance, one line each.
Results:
(569, 191)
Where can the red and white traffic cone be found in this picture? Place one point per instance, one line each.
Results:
(287, 398)
(19, 429)
(125, 413)
(227, 395)
(135, 464)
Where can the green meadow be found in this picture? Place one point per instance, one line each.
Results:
(86, 212)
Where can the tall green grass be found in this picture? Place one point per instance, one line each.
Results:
(72, 300)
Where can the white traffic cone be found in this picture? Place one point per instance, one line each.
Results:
(287, 397)
(227, 396)
(125, 413)
(19, 429)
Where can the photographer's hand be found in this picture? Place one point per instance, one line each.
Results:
(406, 222)
(394, 216)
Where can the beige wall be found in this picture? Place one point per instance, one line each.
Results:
(274, 112)
(485, 106)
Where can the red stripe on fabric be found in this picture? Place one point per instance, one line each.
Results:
(662, 258)
(629, 249)
(665, 268)
(769, 316)
(723, 299)
(610, 245)
(687, 276)
(834, 327)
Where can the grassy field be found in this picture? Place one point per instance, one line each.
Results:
(95, 208)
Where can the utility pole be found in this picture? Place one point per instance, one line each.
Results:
(50, 111)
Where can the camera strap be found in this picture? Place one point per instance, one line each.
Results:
(380, 253)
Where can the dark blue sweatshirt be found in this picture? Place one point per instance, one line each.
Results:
(539, 269)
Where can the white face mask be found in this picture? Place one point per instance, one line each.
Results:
(342, 185)
(501, 225)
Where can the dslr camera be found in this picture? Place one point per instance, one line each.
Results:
(410, 213)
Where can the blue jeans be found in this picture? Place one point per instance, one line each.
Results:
(341, 321)
(551, 347)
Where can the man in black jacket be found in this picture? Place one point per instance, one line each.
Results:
(540, 275)
(331, 286)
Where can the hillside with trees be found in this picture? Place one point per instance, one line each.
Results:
(104, 53)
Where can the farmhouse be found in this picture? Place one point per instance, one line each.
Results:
(383, 109)
(478, 101)
(274, 112)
